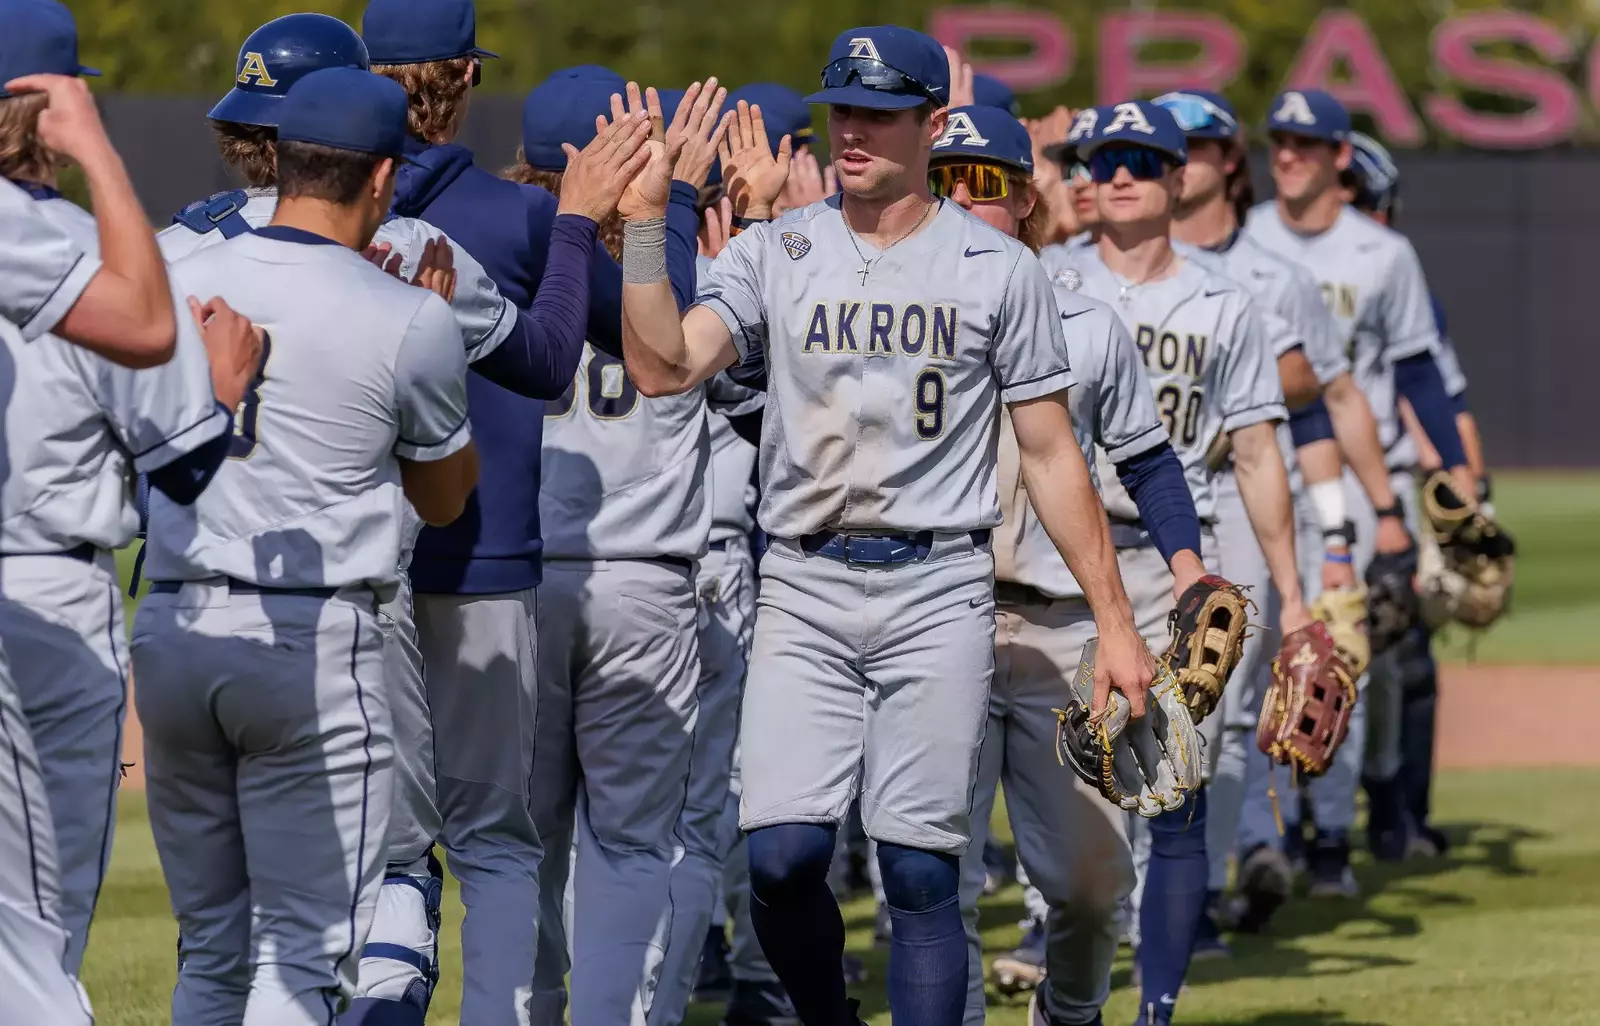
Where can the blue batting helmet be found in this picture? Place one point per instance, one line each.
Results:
(1376, 178)
(281, 53)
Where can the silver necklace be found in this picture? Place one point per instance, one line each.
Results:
(866, 264)
(1127, 287)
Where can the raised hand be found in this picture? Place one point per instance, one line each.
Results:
(598, 175)
(71, 124)
(717, 228)
(961, 94)
(697, 129)
(436, 268)
(809, 182)
(752, 175)
(233, 346)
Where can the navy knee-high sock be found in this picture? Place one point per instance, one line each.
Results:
(928, 954)
(797, 920)
(1174, 898)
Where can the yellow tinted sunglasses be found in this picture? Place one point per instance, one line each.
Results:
(983, 181)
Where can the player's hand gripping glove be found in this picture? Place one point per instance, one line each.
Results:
(1207, 641)
(1147, 765)
(1344, 613)
(1469, 581)
(1392, 604)
(1306, 711)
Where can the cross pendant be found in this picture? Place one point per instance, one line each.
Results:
(863, 272)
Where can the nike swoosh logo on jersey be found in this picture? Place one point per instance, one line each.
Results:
(1076, 313)
(978, 252)
(1215, 292)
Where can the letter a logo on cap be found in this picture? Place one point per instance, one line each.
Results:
(863, 46)
(255, 68)
(1295, 110)
(1131, 117)
(1084, 125)
(961, 127)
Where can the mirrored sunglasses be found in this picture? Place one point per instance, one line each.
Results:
(983, 181)
(874, 75)
(1194, 113)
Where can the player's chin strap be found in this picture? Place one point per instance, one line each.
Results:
(222, 212)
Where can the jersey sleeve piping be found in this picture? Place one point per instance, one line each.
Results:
(184, 441)
(62, 298)
(1259, 414)
(1152, 437)
(428, 452)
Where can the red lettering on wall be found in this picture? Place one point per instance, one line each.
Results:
(1341, 37)
(1554, 111)
(1124, 76)
(1049, 63)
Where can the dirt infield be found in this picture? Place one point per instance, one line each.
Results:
(1490, 717)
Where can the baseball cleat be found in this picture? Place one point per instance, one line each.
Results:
(1024, 968)
(759, 1003)
(1266, 879)
(996, 871)
(1331, 876)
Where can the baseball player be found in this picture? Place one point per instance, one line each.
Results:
(259, 655)
(624, 502)
(78, 423)
(1071, 842)
(1371, 184)
(893, 325)
(1216, 388)
(117, 305)
(1324, 401)
(1373, 285)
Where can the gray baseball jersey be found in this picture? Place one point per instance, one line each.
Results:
(623, 475)
(1113, 411)
(1205, 351)
(1372, 283)
(733, 494)
(43, 268)
(360, 369)
(883, 390)
(1289, 299)
(76, 423)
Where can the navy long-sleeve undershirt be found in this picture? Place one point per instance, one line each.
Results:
(1155, 481)
(1417, 378)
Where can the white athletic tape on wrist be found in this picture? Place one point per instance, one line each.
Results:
(644, 251)
(1328, 497)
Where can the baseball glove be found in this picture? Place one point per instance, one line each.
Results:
(1147, 765)
(1392, 604)
(1470, 580)
(1207, 641)
(1307, 708)
(1344, 613)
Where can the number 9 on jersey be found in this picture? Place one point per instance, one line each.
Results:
(930, 391)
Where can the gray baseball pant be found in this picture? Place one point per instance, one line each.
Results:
(870, 679)
(1070, 840)
(268, 761)
(62, 625)
(618, 714)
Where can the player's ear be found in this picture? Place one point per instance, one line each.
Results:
(1342, 158)
(383, 176)
(937, 122)
(1027, 199)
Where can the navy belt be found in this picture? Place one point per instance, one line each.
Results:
(85, 553)
(238, 587)
(877, 549)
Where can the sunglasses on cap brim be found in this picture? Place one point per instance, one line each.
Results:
(1142, 164)
(984, 182)
(1196, 113)
(873, 75)
(477, 72)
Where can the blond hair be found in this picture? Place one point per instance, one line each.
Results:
(437, 91)
(251, 150)
(1035, 229)
(22, 155)
(524, 173)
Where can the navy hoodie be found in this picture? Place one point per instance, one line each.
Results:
(495, 545)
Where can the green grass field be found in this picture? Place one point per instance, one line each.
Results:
(1504, 930)
(1556, 608)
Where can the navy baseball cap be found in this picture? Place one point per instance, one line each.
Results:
(421, 31)
(988, 91)
(1311, 113)
(1134, 123)
(1201, 113)
(562, 109)
(39, 38)
(988, 134)
(279, 54)
(885, 67)
(346, 109)
(783, 109)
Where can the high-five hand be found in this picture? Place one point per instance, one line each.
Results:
(647, 194)
(599, 174)
(752, 175)
(700, 127)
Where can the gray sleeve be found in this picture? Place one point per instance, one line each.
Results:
(732, 290)
(1029, 351)
(430, 379)
(165, 412)
(1127, 423)
(1408, 324)
(1455, 379)
(484, 316)
(1252, 392)
(1317, 329)
(43, 271)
